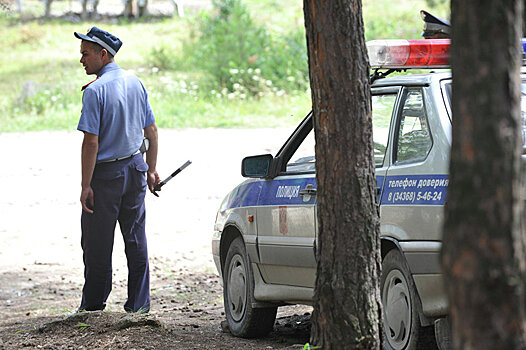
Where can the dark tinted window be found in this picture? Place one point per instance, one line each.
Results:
(414, 138)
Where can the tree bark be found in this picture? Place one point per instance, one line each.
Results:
(347, 295)
(483, 253)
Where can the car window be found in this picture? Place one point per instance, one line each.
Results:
(382, 108)
(414, 139)
(447, 88)
(303, 159)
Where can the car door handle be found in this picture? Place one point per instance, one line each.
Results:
(308, 191)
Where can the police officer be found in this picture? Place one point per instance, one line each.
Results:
(115, 116)
(434, 27)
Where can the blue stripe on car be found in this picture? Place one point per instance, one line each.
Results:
(245, 195)
(286, 192)
(396, 190)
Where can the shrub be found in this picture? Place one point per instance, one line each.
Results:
(227, 43)
(162, 57)
(236, 54)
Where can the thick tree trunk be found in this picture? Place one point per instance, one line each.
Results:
(347, 296)
(483, 249)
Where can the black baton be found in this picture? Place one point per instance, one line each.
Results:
(162, 183)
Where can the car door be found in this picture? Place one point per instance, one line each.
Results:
(287, 222)
(286, 215)
(416, 181)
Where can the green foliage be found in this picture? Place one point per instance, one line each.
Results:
(232, 50)
(162, 57)
(242, 64)
(228, 40)
(437, 3)
(384, 19)
(180, 101)
(44, 101)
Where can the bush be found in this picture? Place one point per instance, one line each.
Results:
(162, 57)
(227, 41)
(232, 52)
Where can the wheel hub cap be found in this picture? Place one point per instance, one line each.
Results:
(237, 284)
(397, 310)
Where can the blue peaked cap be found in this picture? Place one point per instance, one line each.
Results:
(110, 42)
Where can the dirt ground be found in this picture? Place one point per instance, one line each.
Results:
(41, 259)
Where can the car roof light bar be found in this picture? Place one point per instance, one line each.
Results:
(402, 54)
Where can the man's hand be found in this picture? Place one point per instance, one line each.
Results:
(86, 197)
(153, 180)
(150, 132)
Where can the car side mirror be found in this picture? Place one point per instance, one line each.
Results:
(256, 166)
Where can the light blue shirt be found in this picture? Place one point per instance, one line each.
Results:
(116, 108)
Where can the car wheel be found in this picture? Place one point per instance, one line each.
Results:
(238, 293)
(401, 323)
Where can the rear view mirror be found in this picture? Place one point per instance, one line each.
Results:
(256, 166)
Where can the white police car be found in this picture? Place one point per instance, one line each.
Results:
(265, 233)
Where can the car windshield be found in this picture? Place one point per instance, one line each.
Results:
(447, 90)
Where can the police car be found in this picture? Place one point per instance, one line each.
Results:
(265, 234)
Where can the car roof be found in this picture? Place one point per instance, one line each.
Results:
(413, 79)
(423, 78)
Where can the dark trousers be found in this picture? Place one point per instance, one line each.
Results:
(119, 189)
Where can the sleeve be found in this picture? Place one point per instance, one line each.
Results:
(90, 115)
(149, 118)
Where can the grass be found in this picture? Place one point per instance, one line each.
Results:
(40, 80)
(82, 326)
(309, 347)
(40, 73)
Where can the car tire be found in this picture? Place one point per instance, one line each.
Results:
(238, 293)
(401, 322)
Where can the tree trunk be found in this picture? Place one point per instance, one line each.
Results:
(346, 295)
(483, 248)
(47, 12)
(84, 13)
(142, 6)
(128, 9)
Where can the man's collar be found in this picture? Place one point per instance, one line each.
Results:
(109, 67)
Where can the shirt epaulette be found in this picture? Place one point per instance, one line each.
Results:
(85, 86)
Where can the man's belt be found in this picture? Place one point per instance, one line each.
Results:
(144, 147)
(117, 159)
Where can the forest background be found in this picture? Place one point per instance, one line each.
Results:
(226, 63)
